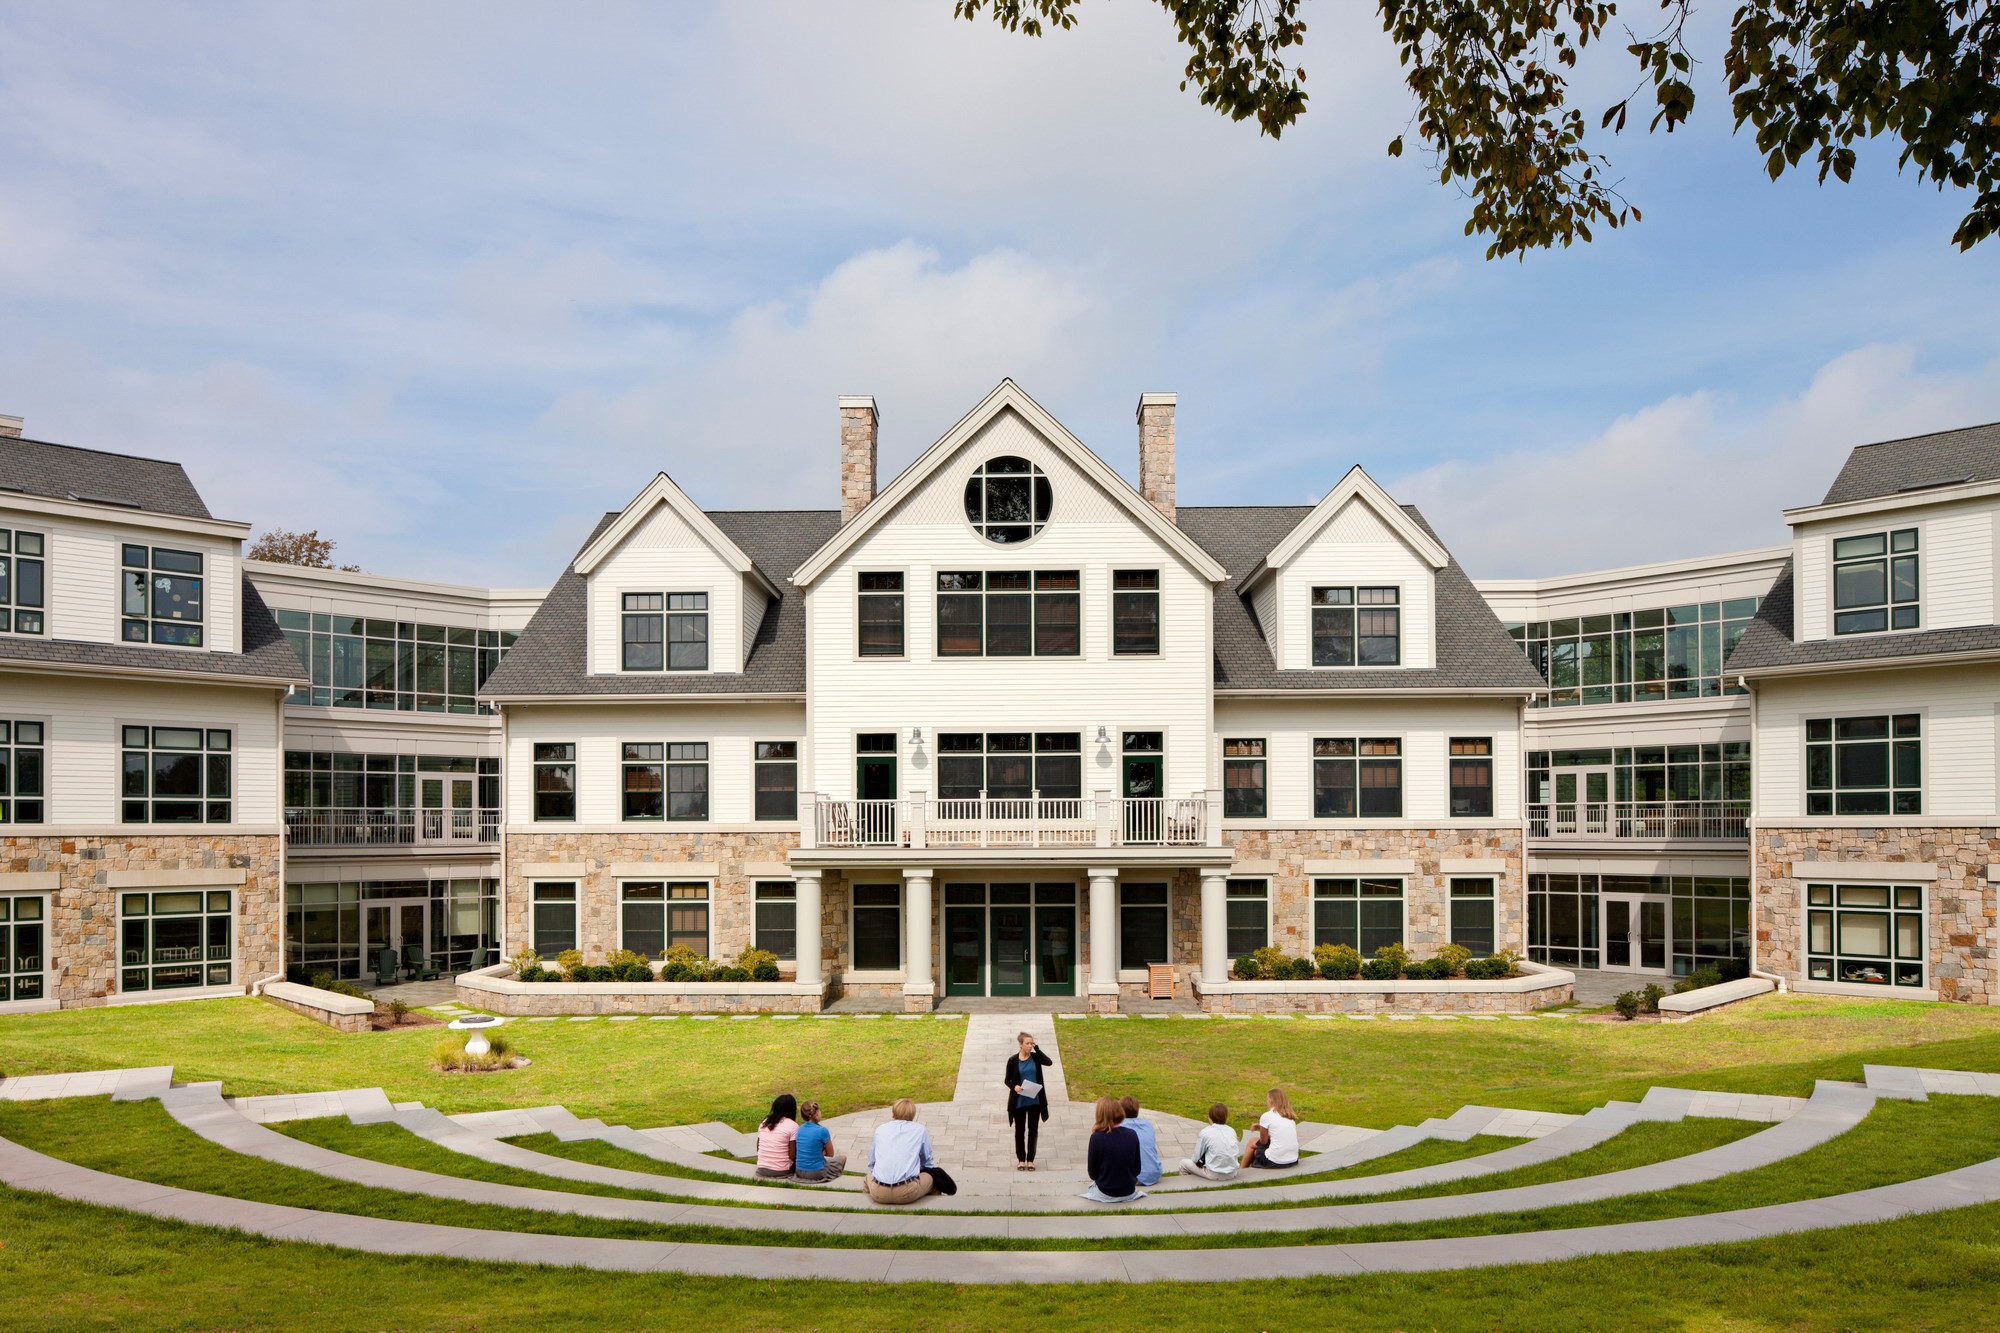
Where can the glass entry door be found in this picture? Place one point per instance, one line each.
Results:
(1010, 939)
(449, 814)
(1055, 950)
(1583, 801)
(1636, 935)
(402, 925)
(1010, 950)
(964, 950)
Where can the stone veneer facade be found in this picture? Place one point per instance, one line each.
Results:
(1959, 911)
(83, 909)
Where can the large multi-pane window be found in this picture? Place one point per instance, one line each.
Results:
(555, 780)
(1357, 626)
(175, 940)
(1247, 916)
(1672, 652)
(356, 662)
(1142, 925)
(687, 780)
(1135, 612)
(325, 923)
(1472, 903)
(642, 918)
(776, 775)
(1363, 914)
(877, 927)
(1243, 778)
(160, 595)
(23, 945)
(1007, 500)
(664, 631)
(775, 928)
(1710, 920)
(879, 611)
(1471, 777)
(23, 770)
(1009, 613)
(22, 582)
(1358, 778)
(176, 775)
(1651, 774)
(553, 922)
(1875, 582)
(1865, 765)
(1010, 765)
(335, 797)
(1865, 934)
(643, 780)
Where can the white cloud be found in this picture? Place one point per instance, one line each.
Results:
(1695, 474)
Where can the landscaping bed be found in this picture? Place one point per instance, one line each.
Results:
(1337, 980)
(680, 981)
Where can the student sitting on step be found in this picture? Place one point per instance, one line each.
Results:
(1215, 1148)
(1113, 1156)
(1273, 1142)
(900, 1160)
(776, 1138)
(1150, 1169)
(813, 1160)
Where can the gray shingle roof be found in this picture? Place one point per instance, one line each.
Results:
(551, 658)
(1474, 651)
(265, 651)
(1893, 466)
(1767, 644)
(64, 472)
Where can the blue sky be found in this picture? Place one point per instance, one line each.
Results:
(447, 280)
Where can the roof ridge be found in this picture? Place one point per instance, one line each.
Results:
(1927, 435)
(88, 449)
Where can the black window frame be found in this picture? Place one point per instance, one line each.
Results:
(24, 585)
(23, 771)
(643, 901)
(142, 571)
(687, 631)
(145, 747)
(549, 895)
(1346, 618)
(1003, 472)
(1469, 776)
(1829, 908)
(1897, 606)
(1843, 751)
(642, 781)
(1474, 907)
(642, 635)
(1144, 910)
(774, 917)
(551, 762)
(1038, 612)
(885, 899)
(687, 784)
(140, 916)
(773, 800)
(1350, 758)
(1135, 613)
(880, 605)
(1237, 891)
(1245, 763)
(1045, 757)
(1341, 912)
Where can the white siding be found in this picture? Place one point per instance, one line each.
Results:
(1355, 546)
(1957, 565)
(1425, 726)
(665, 555)
(83, 752)
(1960, 740)
(1088, 532)
(730, 731)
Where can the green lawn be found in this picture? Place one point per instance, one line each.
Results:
(642, 1073)
(1384, 1073)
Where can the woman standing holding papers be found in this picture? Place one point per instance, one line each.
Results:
(1027, 1099)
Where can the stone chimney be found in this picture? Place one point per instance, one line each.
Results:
(11, 427)
(858, 425)
(1156, 451)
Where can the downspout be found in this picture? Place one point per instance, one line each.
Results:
(1750, 825)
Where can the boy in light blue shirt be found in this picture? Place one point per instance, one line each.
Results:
(1149, 1144)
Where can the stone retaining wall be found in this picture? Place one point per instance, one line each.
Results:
(1541, 988)
(342, 1013)
(496, 991)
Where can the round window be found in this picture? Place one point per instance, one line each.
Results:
(1008, 500)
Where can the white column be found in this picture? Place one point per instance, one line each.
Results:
(1214, 926)
(812, 970)
(917, 934)
(1103, 932)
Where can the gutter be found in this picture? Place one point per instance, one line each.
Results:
(512, 700)
(1963, 657)
(43, 668)
(1392, 692)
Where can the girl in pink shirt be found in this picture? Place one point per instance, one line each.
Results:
(776, 1136)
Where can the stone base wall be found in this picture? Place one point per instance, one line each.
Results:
(1960, 908)
(83, 909)
(1426, 893)
(1554, 988)
(338, 1022)
(636, 1001)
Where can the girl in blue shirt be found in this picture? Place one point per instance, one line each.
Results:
(1026, 1113)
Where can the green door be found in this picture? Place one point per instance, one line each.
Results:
(1011, 946)
(1055, 950)
(875, 777)
(1144, 811)
(965, 950)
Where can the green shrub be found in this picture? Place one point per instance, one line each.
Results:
(1338, 962)
(1379, 969)
(570, 961)
(1649, 998)
(761, 964)
(1246, 968)
(731, 974)
(1455, 957)
(1733, 969)
(1271, 962)
(679, 970)
(636, 969)
(398, 1011)
(681, 953)
(1708, 974)
(1431, 969)
(1627, 1005)
(526, 961)
(450, 1053)
(620, 959)
(1301, 969)
(1495, 968)
(1396, 956)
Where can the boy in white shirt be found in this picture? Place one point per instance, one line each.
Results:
(1274, 1141)
(1214, 1148)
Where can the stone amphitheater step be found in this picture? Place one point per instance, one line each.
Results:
(22, 1168)
(121, 1084)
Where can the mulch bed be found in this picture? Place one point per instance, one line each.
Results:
(382, 1021)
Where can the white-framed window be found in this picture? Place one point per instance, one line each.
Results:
(1135, 612)
(687, 781)
(1010, 613)
(1145, 928)
(1009, 765)
(1247, 912)
(175, 939)
(875, 928)
(552, 919)
(24, 946)
(1356, 625)
(23, 581)
(1364, 913)
(642, 781)
(1866, 934)
(23, 772)
(1008, 500)
(175, 775)
(554, 764)
(1473, 914)
(1244, 777)
(655, 915)
(663, 631)
(1875, 586)
(775, 926)
(879, 613)
(776, 775)
(160, 595)
(1471, 777)
(1865, 765)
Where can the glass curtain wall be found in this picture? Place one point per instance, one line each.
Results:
(323, 923)
(1710, 917)
(1650, 773)
(356, 662)
(380, 790)
(1669, 652)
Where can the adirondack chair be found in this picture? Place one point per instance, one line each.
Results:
(417, 964)
(385, 966)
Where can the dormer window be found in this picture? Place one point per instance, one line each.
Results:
(1875, 582)
(21, 571)
(160, 596)
(1008, 500)
(1357, 626)
(664, 631)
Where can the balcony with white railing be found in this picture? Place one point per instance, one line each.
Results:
(390, 827)
(1024, 822)
(1656, 821)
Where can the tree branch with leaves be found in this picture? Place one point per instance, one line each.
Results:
(280, 546)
